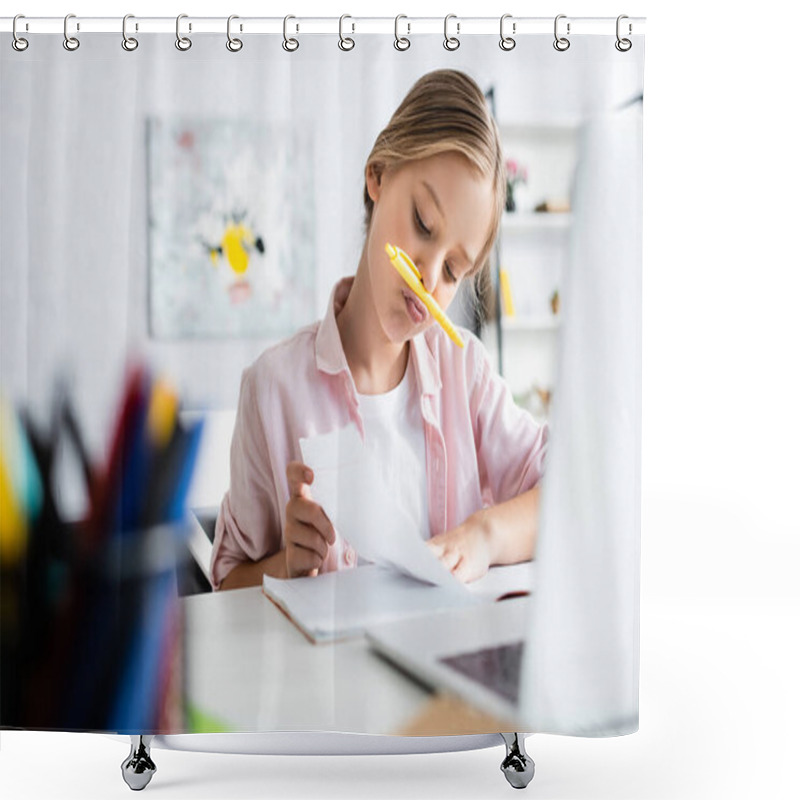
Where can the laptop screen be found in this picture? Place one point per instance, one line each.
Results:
(496, 668)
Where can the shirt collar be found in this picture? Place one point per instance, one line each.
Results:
(330, 355)
(328, 345)
(428, 377)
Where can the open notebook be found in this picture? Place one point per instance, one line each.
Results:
(342, 604)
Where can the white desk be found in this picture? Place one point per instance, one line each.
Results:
(250, 668)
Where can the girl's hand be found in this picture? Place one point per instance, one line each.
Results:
(464, 550)
(309, 532)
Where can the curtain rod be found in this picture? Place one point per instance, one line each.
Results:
(458, 26)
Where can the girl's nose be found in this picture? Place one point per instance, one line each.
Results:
(430, 275)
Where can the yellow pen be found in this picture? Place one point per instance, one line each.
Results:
(402, 262)
(162, 413)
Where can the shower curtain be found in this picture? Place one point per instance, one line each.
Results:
(170, 210)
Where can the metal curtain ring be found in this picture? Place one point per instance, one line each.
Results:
(561, 43)
(401, 43)
(451, 42)
(623, 45)
(290, 45)
(346, 43)
(18, 43)
(182, 42)
(70, 42)
(233, 44)
(507, 42)
(128, 42)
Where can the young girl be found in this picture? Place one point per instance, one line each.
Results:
(467, 460)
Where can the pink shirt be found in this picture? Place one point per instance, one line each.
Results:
(481, 448)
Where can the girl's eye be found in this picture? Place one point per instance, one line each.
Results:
(451, 276)
(419, 223)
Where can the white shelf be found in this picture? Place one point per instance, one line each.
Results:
(533, 247)
(531, 324)
(533, 220)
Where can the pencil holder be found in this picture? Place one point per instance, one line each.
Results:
(93, 638)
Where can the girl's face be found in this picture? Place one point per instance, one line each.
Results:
(438, 210)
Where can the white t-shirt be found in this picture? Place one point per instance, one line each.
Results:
(394, 433)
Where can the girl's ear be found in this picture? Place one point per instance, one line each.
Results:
(374, 173)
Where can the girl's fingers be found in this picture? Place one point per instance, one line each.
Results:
(436, 547)
(298, 475)
(310, 513)
(301, 560)
(305, 536)
(462, 571)
(450, 558)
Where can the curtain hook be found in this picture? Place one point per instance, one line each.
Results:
(129, 43)
(561, 43)
(70, 42)
(401, 43)
(623, 45)
(182, 42)
(507, 42)
(290, 45)
(346, 43)
(233, 44)
(18, 43)
(451, 42)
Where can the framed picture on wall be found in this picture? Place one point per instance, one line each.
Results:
(230, 226)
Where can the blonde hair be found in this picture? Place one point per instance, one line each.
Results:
(444, 111)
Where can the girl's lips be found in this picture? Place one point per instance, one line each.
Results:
(416, 310)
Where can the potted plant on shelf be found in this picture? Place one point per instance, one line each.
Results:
(515, 174)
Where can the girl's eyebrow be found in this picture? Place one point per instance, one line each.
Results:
(470, 261)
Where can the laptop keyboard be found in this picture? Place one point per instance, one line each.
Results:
(496, 668)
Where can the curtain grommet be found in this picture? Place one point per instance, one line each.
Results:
(561, 43)
(17, 42)
(70, 43)
(183, 43)
(401, 42)
(289, 44)
(129, 43)
(451, 42)
(233, 44)
(623, 45)
(507, 42)
(346, 43)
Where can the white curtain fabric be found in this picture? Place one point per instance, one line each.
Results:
(75, 248)
(583, 653)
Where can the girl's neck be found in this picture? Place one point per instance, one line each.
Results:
(376, 363)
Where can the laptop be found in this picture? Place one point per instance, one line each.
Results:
(473, 652)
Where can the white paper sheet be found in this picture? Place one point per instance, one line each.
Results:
(368, 513)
